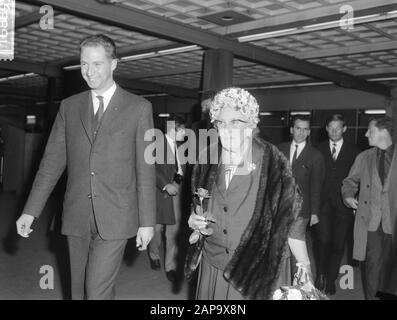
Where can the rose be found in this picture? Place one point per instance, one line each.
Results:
(202, 193)
(195, 236)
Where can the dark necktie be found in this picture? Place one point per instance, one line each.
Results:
(176, 157)
(382, 166)
(295, 155)
(99, 113)
(333, 152)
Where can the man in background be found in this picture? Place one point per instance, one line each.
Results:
(373, 178)
(336, 220)
(169, 185)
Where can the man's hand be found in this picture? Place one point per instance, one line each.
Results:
(143, 237)
(171, 189)
(314, 219)
(23, 225)
(351, 202)
(197, 220)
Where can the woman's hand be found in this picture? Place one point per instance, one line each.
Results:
(197, 221)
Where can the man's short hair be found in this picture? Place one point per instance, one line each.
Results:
(384, 123)
(301, 117)
(100, 40)
(179, 121)
(335, 117)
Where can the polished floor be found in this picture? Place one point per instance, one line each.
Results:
(26, 264)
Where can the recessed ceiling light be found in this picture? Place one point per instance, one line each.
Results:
(227, 18)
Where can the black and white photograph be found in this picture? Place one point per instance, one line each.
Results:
(197, 155)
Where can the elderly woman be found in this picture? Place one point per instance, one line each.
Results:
(245, 230)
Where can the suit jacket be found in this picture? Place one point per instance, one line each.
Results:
(309, 172)
(336, 171)
(363, 179)
(106, 172)
(232, 209)
(164, 175)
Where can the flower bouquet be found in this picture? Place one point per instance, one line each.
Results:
(298, 292)
(202, 194)
(302, 289)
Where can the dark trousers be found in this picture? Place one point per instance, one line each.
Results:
(331, 234)
(380, 269)
(94, 265)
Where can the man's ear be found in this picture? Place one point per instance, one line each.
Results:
(344, 129)
(114, 64)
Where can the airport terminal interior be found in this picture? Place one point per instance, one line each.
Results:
(307, 57)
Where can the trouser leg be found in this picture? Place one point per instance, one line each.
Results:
(104, 260)
(78, 255)
(373, 264)
(341, 227)
(171, 235)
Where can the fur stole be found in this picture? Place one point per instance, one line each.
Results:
(255, 265)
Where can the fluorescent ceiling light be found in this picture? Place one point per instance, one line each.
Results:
(265, 113)
(18, 76)
(317, 26)
(163, 115)
(375, 111)
(383, 79)
(138, 56)
(150, 54)
(303, 113)
(276, 86)
(265, 35)
(178, 50)
(160, 53)
(154, 95)
(75, 67)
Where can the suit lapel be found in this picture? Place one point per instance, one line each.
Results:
(86, 111)
(115, 106)
(303, 153)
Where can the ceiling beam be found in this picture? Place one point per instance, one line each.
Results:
(146, 23)
(28, 67)
(157, 88)
(27, 19)
(30, 18)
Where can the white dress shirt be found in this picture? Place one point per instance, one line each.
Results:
(172, 144)
(107, 95)
(293, 148)
(338, 146)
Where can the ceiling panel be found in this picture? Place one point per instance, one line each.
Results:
(37, 45)
(190, 11)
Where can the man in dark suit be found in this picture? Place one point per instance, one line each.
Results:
(336, 220)
(307, 166)
(169, 178)
(98, 135)
(308, 169)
